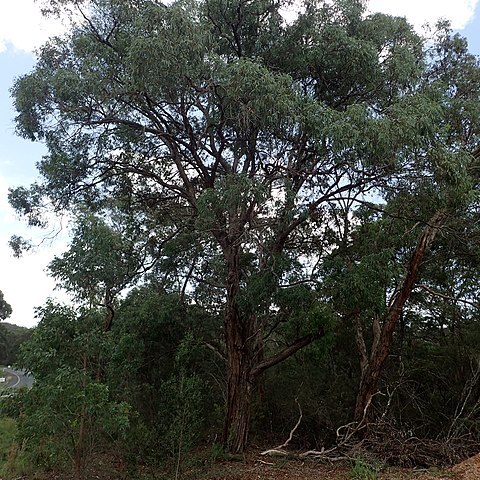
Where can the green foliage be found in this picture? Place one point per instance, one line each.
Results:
(69, 411)
(8, 429)
(11, 339)
(180, 418)
(68, 417)
(149, 328)
(11, 405)
(257, 98)
(62, 340)
(100, 261)
(364, 470)
(13, 461)
(222, 161)
(162, 370)
(216, 453)
(159, 56)
(230, 195)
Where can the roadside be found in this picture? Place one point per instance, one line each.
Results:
(14, 378)
(6, 378)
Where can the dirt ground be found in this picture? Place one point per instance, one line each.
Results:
(468, 470)
(294, 470)
(256, 467)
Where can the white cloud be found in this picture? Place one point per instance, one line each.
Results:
(23, 26)
(24, 281)
(418, 12)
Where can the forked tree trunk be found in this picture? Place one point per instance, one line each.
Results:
(245, 360)
(243, 370)
(372, 365)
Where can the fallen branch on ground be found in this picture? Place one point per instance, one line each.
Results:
(280, 449)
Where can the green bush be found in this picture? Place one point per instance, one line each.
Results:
(365, 470)
(180, 419)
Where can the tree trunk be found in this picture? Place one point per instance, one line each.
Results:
(371, 367)
(237, 420)
(245, 359)
(239, 338)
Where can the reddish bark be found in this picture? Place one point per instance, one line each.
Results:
(245, 361)
(372, 365)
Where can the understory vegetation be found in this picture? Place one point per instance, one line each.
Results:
(275, 240)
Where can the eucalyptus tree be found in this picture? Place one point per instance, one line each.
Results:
(385, 261)
(105, 256)
(443, 196)
(238, 138)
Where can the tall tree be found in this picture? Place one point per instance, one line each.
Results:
(449, 190)
(235, 136)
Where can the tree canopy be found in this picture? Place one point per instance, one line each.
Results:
(250, 165)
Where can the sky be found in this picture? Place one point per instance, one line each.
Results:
(24, 281)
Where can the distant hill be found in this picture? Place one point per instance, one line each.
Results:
(16, 329)
(11, 337)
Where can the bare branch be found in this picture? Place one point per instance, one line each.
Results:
(280, 449)
(448, 297)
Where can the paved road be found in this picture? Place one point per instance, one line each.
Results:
(16, 378)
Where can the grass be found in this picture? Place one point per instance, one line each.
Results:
(8, 432)
(12, 459)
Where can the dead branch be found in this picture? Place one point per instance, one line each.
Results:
(340, 452)
(280, 449)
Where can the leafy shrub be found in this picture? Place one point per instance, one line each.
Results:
(365, 470)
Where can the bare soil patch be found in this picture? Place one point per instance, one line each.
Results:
(254, 469)
(468, 469)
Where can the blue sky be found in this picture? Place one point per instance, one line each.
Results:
(24, 281)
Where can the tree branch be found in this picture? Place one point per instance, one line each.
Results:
(403, 293)
(287, 352)
(447, 297)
